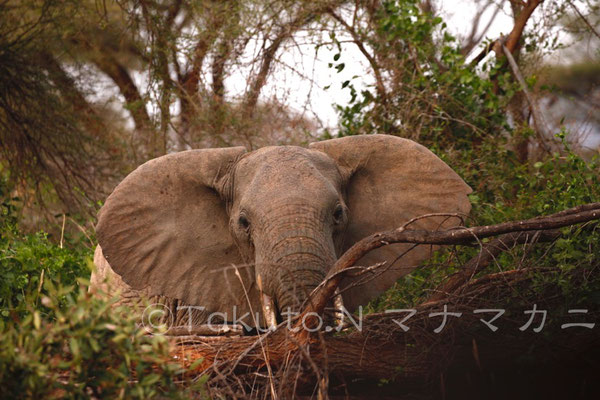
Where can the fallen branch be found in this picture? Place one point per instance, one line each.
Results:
(573, 216)
(414, 356)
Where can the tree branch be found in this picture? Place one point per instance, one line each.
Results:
(359, 43)
(488, 253)
(306, 15)
(384, 348)
(584, 19)
(473, 39)
(136, 104)
(92, 121)
(512, 40)
(521, 19)
(455, 236)
(538, 118)
(189, 82)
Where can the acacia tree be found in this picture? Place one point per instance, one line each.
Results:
(169, 65)
(188, 54)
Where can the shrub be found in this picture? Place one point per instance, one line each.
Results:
(57, 341)
(27, 260)
(83, 348)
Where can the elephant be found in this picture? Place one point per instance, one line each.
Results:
(257, 231)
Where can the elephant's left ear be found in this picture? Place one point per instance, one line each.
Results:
(390, 181)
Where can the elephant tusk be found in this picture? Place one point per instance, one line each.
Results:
(269, 311)
(268, 306)
(338, 303)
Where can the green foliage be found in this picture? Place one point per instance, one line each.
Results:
(56, 341)
(505, 189)
(435, 97)
(27, 260)
(83, 348)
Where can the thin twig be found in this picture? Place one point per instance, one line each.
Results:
(487, 254)
(62, 231)
(584, 19)
(538, 119)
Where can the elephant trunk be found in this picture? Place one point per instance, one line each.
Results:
(293, 266)
(299, 276)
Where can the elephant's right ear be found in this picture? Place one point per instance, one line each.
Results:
(165, 228)
(390, 181)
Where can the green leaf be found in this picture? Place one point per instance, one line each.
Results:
(36, 320)
(74, 345)
(196, 363)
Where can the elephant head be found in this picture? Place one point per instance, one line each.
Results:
(220, 228)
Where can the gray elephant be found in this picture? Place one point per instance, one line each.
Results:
(257, 231)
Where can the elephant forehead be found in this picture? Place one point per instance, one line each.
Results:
(287, 166)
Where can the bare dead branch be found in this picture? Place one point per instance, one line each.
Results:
(454, 236)
(205, 330)
(382, 348)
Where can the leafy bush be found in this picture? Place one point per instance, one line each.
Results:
(57, 341)
(434, 95)
(27, 260)
(86, 349)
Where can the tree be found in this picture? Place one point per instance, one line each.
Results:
(170, 63)
(51, 136)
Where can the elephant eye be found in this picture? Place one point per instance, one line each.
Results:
(243, 221)
(338, 214)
